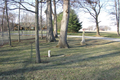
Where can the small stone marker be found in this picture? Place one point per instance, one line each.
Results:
(49, 53)
(83, 38)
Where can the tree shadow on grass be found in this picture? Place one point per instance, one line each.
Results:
(8, 50)
(67, 60)
(9, 55)
(88, 43)
(55, 62)
(25, 63)
(12, 58)
(58, 55)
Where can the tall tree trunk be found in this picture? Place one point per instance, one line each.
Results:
(118, 19)
(117, 15)
(119, 11)
(19, 24)
(41, 21)
(2, 22)
(38, 60)
(12, 24)
(55, 20)
(9, 36)
(64, 25)
(118, 27)
(50, 37)
(97, 27)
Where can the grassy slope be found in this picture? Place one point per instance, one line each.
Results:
(97, 60)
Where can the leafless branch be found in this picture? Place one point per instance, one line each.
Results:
(24, 8)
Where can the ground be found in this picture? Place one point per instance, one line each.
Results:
(96, 60)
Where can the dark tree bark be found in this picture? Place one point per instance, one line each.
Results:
(41, 21)
(97, 26)
(55, 20)
(9, 36)
(117, 15)
(19, 24)
(2, 22)
(119, 11)
(38, 60)
(50, 37)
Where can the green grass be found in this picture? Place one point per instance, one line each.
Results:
(28, 32)
(87, 33)
(4, 40)
(97, 60)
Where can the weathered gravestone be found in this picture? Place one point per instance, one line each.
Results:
(49, 53)
(83, 38)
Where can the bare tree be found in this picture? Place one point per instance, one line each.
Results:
(90, 28)
(55, 19)
(12, 17)
(50, 37)
(117, 14)
(38, 60)
(64, 25)
(9, 36)
(93, 7)
(2, 21)
(119, 11)
(19, 24)
(41, 20)
(107, 28)
(28, 20)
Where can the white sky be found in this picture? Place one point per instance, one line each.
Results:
(104, 17)
(87, 19)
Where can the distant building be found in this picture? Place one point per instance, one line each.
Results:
(22, 27)
(29, 27)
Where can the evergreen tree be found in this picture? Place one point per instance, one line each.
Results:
(74, 25)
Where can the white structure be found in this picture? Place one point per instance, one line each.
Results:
(49, 53)
(83, 38)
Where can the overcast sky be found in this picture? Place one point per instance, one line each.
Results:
(105, 18)
(87, 19)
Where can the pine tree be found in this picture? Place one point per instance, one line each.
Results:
(74, 25)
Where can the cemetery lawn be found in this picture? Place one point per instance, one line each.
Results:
(97, 60)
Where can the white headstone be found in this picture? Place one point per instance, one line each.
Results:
(49, 53)
(83, 38)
